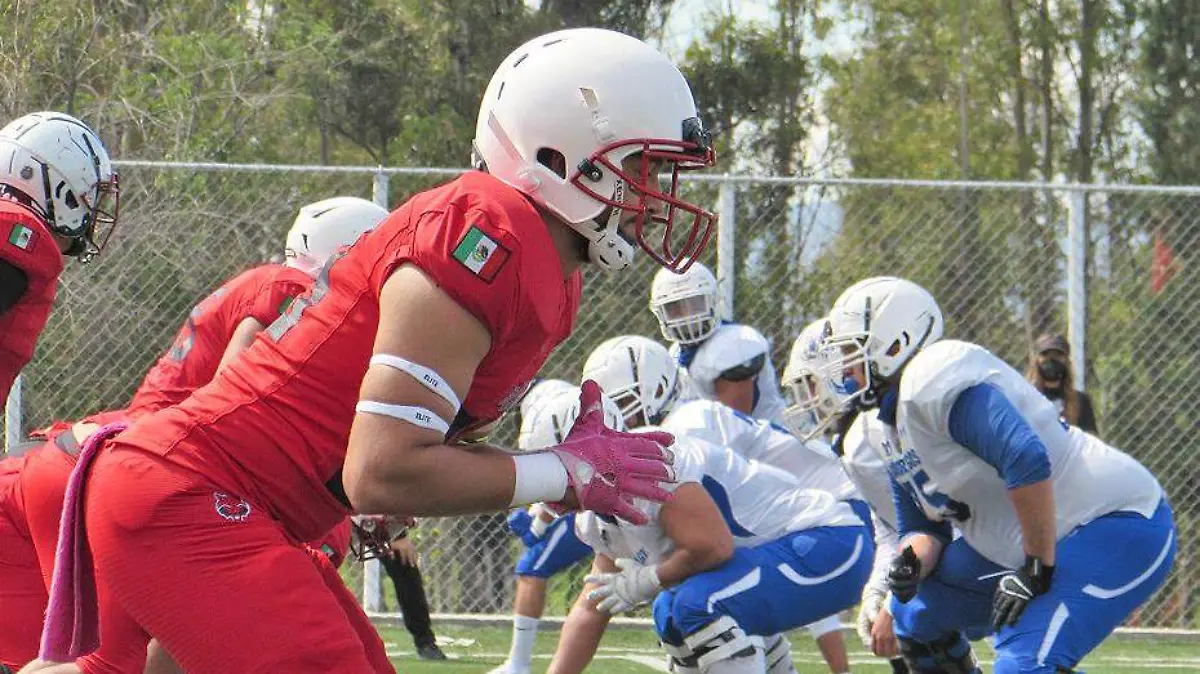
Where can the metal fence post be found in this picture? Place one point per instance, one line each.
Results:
(726, 247)
(12, 416)
(372, 570)
(1076, 284)
(379, 189)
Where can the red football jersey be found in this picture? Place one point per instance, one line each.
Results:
(25, 243)
(273, 427)
(262, 293)
(336, 544)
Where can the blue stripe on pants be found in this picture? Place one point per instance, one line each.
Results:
(773, 587)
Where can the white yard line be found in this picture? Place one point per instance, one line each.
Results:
(654, 659)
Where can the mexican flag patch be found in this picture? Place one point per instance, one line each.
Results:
(480, 253)
(22, 237)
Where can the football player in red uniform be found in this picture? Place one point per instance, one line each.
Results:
(216, 330)
(58, 197)
(421, 334)
(22, 595)
(226, 322)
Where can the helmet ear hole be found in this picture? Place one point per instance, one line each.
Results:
(70, 200)
(895, 347)
(553, 160)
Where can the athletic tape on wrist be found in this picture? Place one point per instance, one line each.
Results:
(541, 476)
(417, 416)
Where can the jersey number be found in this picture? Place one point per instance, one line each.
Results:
(291, 316)
(935, 504)
(187, 334)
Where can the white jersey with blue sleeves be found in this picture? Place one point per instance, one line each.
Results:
(951, 483)
(758, 502)
(862, 457)
(729, 346)
(813, 464)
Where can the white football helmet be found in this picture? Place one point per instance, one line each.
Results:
(542, 390)
(812, 400)
(685, 304)
(562, 113)
(56, 165)
(639, 374)
(880, 323)
(323, 227)
(553, 415)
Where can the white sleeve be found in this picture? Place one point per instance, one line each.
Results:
(758, 440)
(690, 459)
(887, 544)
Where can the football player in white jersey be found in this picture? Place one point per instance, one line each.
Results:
(1061, 535)
(856, 438)
(639, 373)
(740, 553)
(548, 412)
(721, 361)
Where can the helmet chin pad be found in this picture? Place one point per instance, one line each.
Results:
(660, 221)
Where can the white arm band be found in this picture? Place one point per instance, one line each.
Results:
(541, 476)
(428, 378)
(417, 416)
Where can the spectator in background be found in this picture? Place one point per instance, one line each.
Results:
(402, 567)
(1050, 372)
(386, 539)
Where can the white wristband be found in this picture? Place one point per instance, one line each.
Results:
(541, 476)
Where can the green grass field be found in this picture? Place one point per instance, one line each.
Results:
(476, 649)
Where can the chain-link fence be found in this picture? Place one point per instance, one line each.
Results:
(1114, 267)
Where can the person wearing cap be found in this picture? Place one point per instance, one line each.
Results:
(1051, 373)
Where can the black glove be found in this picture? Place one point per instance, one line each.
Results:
(1017, 589)
(905, 575)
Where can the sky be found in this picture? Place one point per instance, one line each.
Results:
(685, 24)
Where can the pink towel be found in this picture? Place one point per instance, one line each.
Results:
(72, 618)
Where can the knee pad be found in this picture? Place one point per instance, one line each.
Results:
(779, 655)
(950, 654)
(720, 640)
(678, 663)
(664, 623)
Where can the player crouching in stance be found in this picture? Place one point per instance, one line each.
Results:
(718, 360)
(551, 543)
(59, 196)
(857, 441)
(642, 375)
(1061, 535)
(741, 553)
(216, 330)
(424, 332)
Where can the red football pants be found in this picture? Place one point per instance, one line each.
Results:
(42, 487)
(22, 595)
(215, 578)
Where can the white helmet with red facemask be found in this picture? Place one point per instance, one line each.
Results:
(561, 115)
